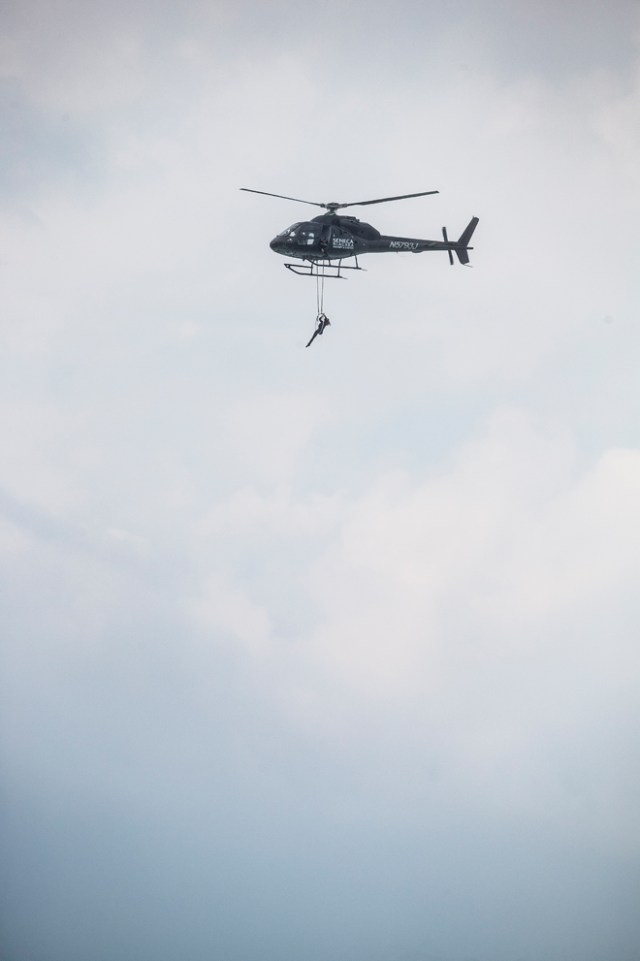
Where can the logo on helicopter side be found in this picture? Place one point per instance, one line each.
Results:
(402, 245)
(342, 243)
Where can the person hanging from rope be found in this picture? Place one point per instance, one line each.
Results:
(322, 321)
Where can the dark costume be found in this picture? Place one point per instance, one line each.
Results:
(322, 321)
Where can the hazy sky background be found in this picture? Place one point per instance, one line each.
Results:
(327, 655)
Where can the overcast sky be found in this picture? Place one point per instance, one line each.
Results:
(327, 654)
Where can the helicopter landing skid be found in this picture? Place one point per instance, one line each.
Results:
(321, 268)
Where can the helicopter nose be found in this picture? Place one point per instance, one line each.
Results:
(274, 244)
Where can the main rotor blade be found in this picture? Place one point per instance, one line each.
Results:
(384, 200)
(282, 197)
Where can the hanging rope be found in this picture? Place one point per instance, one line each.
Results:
(320, 288)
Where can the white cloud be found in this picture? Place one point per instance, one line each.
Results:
(278, 513)
(491, 596)
(223, 609)
(507, 539)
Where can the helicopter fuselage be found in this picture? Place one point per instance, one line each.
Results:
(335, 237)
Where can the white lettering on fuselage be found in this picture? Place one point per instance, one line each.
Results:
(342, 243)
(403, 245)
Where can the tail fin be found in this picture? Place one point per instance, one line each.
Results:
(462, 245)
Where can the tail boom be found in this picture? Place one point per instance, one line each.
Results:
(459, 247)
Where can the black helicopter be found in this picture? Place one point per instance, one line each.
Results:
(334, 237)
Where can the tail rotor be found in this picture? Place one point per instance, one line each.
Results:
(446, 240)
(460, 247)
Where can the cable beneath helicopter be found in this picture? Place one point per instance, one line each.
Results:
(320, 288)
(322, 321)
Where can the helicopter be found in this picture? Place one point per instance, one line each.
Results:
(337, 237)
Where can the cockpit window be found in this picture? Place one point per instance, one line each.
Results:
(290, 231)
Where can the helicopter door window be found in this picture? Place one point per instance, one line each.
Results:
(304, 238)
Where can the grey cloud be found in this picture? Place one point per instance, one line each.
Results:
(40, 150)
